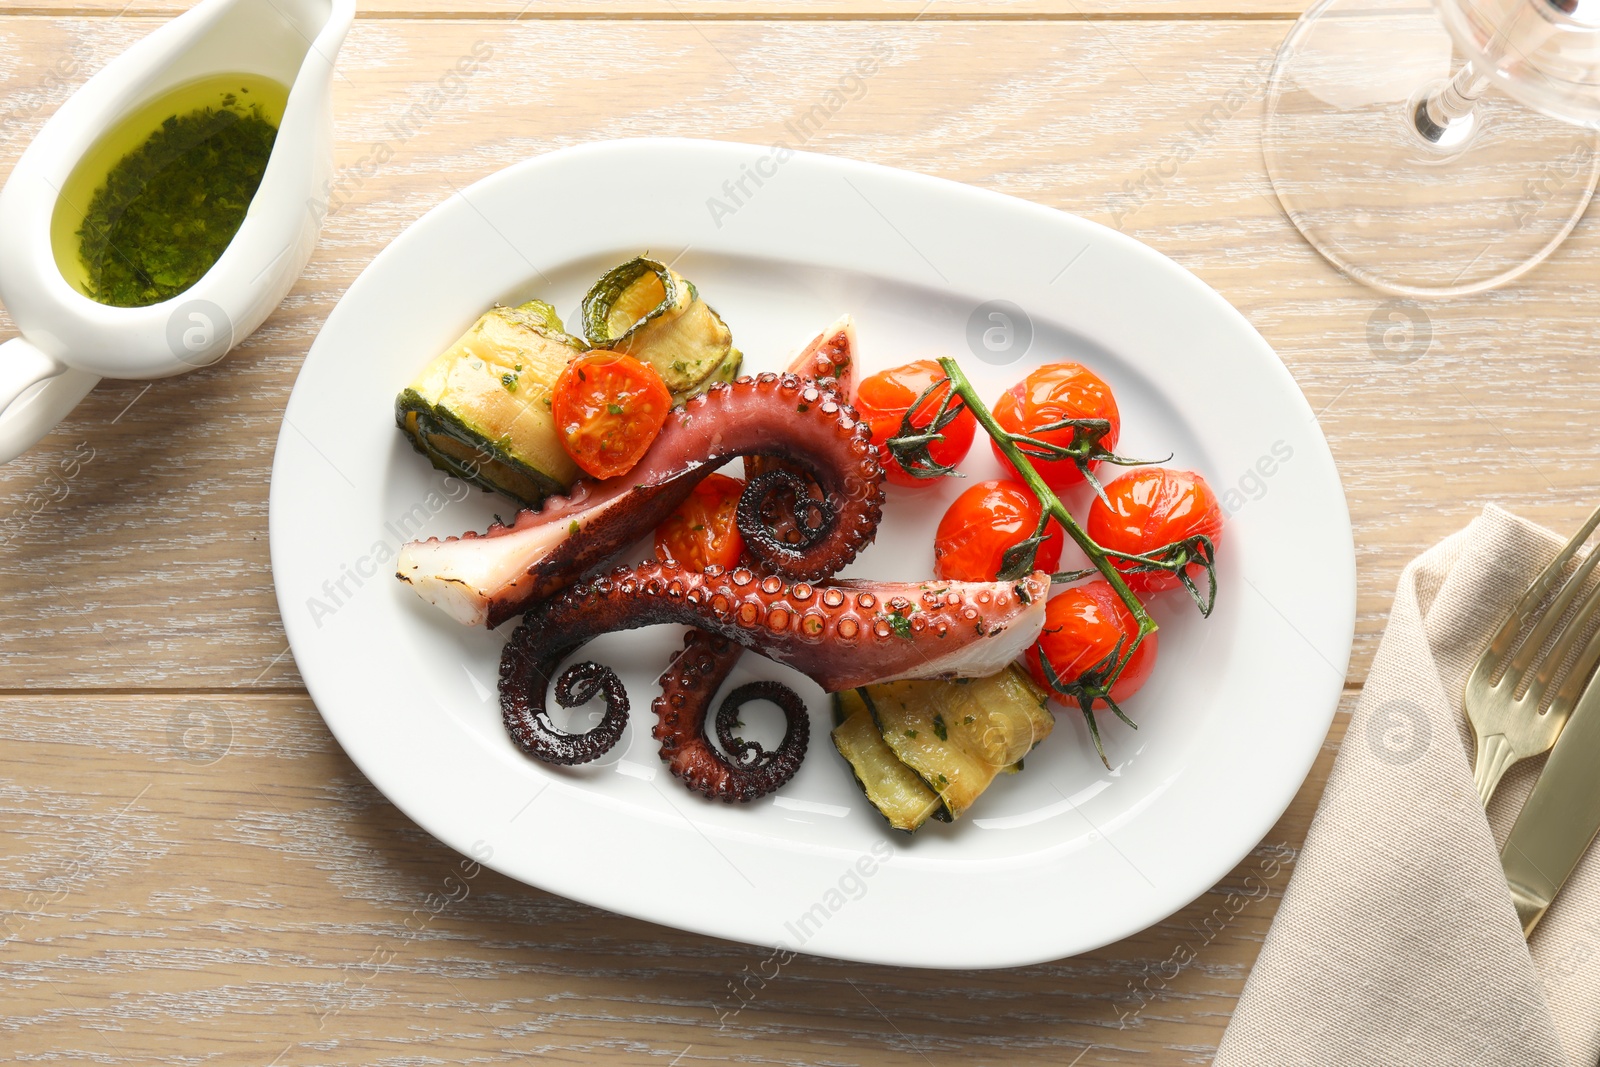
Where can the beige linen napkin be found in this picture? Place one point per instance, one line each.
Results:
(1397, 942)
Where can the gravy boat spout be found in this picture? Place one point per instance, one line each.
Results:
(70, 340)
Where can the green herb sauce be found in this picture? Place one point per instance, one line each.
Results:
(169, 207)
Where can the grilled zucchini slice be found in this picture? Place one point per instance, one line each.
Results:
(481, 410)
(649, 311)
(896, 790)
(957, 735)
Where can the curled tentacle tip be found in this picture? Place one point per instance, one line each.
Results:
(747, 771)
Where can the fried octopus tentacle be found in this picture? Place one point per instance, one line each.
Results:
(806, 516)
(782, 510)
(523, 681)
(688, 687)
(840, 635)
(830, 361)
(485, 579)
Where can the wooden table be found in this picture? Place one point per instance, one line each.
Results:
(190, 868)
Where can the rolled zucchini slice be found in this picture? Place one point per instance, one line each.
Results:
(958, 735)
(649, 311)
(897, 791)
(482, 410)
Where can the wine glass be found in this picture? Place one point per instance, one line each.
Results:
(1395, 160)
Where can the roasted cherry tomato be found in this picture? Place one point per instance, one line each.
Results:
(1054, 392)
(882, 402)
(1081, 629)
(983, 524)
(702, 532)
(1149, 509)
(608, 408)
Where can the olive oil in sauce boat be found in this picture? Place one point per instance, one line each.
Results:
(106, 266)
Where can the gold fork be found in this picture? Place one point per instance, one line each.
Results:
(1509, 726)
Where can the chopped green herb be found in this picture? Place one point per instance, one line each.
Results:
(509, 381)
(911, 733)
(572, 527)
(939, 729)
(169, 207)
(614, 409)
(901, 625)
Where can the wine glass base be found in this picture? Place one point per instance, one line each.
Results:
(1483, 205)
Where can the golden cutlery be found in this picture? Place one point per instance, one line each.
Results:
(1503, 702)
(1559, 820)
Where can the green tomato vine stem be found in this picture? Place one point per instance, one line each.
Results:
(1052, 505)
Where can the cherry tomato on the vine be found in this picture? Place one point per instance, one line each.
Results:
(882, 401)
(608, 409)
(1054, 392)
(983, 524)
(1081, 629)
(702, 531)
(1150, 508)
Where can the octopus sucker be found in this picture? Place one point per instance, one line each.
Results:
(688, 688)
(792, 507)
(485, 579)
(860, 641)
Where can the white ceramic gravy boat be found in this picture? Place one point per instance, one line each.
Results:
(70, 341)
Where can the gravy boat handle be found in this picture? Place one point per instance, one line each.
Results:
(36, 392)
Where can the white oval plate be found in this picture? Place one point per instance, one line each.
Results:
(1057, 860)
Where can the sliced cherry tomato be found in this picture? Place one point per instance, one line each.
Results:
(1150, 509)
(702, 532)
(1081, 629)
(983, 524)
(1054, 392)
(608, 408)
(882, 402)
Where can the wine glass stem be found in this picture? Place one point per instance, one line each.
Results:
(1448, 110)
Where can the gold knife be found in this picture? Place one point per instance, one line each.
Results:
(1561, 816)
